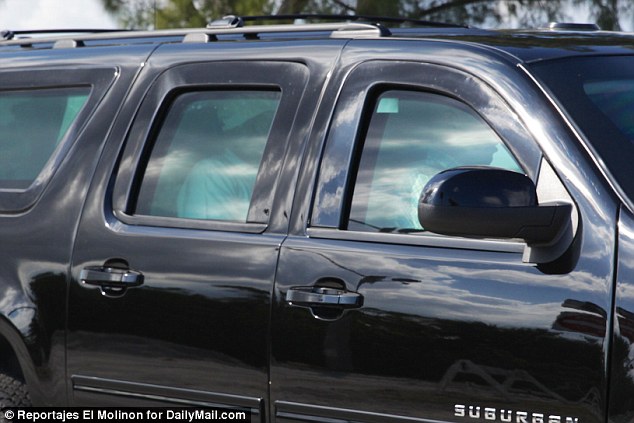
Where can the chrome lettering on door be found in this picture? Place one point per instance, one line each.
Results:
(509, 416)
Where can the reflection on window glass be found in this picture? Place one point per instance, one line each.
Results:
(411, 137)
(32, 123)
(615, 98)
(207, 154)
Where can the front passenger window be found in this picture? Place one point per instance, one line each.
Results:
(410, 137)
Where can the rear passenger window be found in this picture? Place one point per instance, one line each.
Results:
(206, 155)
(32, 125)
(412, 136)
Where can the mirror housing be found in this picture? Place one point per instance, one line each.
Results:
(486, 202)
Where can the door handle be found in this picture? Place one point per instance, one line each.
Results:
(318, 296)
(110, 277)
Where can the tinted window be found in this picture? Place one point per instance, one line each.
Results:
(32, 124)
(412, 136)
(597, 93)
(206, 156)
(615, 98)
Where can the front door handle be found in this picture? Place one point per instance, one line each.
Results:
(318, 296)
(110, 277)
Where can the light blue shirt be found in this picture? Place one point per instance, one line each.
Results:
(219, 188)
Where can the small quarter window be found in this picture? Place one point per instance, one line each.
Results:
(32, 124)
(206, 156)
(412, 136)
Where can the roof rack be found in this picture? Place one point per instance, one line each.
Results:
(349, 18)
(211, 33)
(10, 35)
(336, 30)
(343, 26)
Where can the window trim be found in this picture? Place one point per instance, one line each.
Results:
(422, 239)
(349, 124)
(288, 78)
(97, 80)
(182, 223)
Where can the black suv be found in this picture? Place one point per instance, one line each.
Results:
(332, 222)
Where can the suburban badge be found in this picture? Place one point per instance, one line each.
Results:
(509, 416)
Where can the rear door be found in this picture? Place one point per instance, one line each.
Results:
(376, 320)
(175, 255)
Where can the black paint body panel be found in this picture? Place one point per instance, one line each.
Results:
(449, 329)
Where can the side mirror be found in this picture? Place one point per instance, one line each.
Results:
(486, 202)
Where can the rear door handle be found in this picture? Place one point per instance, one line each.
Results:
(110, 277)
(316, 296)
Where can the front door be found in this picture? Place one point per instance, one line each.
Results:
(376, 320)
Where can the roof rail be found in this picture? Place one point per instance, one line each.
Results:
(340, 26)
(24, 35)
(10, 34)
(350, 18)
(336, 30)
